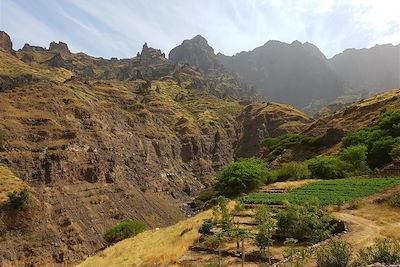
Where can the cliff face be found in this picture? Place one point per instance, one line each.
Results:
(100, 141)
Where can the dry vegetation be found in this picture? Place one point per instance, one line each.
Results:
(8, 183)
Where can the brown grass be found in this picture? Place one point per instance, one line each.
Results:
(8, 183)
(158, 247)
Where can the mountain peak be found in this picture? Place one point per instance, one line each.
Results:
(196, 52)
(59, 47)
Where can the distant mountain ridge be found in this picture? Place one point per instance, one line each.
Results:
(299, 73)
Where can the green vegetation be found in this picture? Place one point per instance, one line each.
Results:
(276, 145)
(205, 228)
(329, 192)
(241, 176)
(381, 140)
(18, 200)
(386, 251)
(356, 156)
(291, 171)
(333, 254)
(265, 230)
(304, 222)
(327, 167)
(124, 230)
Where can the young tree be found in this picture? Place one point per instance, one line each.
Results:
(241, 176)
(265, 230)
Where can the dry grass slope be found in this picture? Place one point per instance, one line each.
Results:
(8, 183)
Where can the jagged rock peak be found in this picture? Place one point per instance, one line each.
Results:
(196, 52)
(59, 47)
(5, 43)
(151, 55)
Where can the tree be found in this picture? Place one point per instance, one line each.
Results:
(265, 228)
(357, 157)
(238, 232)
(327, 167)
(379, 154)
(205, 228)
(241, 176)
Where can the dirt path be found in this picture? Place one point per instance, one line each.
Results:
(361, 231)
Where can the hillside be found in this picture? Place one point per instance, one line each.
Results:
(100, 141)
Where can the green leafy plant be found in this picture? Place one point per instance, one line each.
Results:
(333, 254)
(241, 176)
(292, 171)
(205, 228)
(356, 156)
(327, 167)
(304, 222)
(124, 230)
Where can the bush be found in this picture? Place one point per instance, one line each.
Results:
(124, 230)
(333, 254)
(304, 222)
(241, 176)
(386, 251)
(205, 228)
(394, 200)
(327, 167)
(356, 156)
(292, 171)
(18, 201)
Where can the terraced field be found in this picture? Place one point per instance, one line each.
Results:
(329, 192)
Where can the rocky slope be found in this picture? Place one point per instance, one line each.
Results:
(98, 141)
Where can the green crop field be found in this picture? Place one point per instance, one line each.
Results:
(329, 192)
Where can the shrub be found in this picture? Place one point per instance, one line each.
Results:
(327, 167)
(356, 156)
(124, 230)
(18, 200)
(386, 251)
(205, 228)
(304, 222)
(333, 254)
(241, 176)
(395, 153)
(292, 171)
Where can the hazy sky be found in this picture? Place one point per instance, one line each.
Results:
(118, 28)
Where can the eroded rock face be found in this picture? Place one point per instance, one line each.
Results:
(59, 47)
(5, 43)
(262, 120)
(196, 52)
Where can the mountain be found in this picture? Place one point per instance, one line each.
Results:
(98, 141)
(196, 52)
(371, 69)
(297, 74)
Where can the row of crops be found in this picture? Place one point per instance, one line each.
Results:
(329, 192)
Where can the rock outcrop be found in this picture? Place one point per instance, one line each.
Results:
(59, 47)
(196, 52)
(5, 43)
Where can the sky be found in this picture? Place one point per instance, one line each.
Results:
(119, 28)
